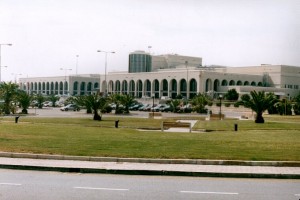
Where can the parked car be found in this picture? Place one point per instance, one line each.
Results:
(135, 106)
(167, 108)
(72, 107)
(158, 107)
(144, 106)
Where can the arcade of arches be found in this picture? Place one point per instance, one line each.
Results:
(137, 88)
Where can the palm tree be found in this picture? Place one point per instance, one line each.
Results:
(53, 98)
(96, 102)
(24, 99)
(199, 102)
(40, 100)
(259, 103)
(8, 92)
(126, 101)
(116, 99)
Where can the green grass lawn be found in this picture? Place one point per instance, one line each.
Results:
(277, 139)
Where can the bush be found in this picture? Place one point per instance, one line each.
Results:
(227, 104)
(236, 104)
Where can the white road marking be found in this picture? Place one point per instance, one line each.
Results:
(12, 184)
(199, 192)
(92, 188)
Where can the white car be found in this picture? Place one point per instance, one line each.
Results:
(72, 107)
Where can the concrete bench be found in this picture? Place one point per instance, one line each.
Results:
(155, 115)
(167, 125)
(215, 117)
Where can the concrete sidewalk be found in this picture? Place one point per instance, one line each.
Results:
(206, 169)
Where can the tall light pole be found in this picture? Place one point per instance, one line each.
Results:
(77, 64)
(220, 98)
(0, 57)
(65, 69)
(105, 52)
(187, 81)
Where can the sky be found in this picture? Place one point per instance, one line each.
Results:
(47, 35)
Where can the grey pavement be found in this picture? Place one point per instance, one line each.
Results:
(204, 168)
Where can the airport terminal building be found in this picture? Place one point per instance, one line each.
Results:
(169, 75)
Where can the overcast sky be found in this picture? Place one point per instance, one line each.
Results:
(48, 34)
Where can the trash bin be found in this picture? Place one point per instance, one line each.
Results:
(116, 123)
(16, 119)
(235, 127)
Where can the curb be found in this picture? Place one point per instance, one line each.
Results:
(150, 160)
(151, 172)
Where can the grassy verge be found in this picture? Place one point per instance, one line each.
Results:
(277, 139)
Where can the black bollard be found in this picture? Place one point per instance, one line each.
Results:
(16, 119)
(235, 127)
(116, 123)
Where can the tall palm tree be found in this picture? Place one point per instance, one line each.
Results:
(8, 92)
(259, 103)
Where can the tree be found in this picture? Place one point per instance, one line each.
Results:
(116, 99)
(24, 99)
(199, 102)
(53, 98)
(8, 92)
(232, 95)
(174, 104)
(95, 101)
(126, 101)
(40, 100)
(259, 103)
(284, 107)
(296, 106)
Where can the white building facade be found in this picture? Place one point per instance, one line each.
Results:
(188, 78)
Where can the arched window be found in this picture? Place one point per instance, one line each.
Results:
(224, 83)
(139, 88)
(164, 87)
(82, 88)
(216, 85)
(239, 83)
(118, 87)
(124, 87)
(131, 88)
(232, 82)
(193, 88)
(208, 85)
(147, 89)
(173, 87)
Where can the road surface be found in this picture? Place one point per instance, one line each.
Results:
(31, 185)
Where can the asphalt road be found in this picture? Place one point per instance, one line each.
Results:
(31, 185)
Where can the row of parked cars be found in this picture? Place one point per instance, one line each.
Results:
(151, 107)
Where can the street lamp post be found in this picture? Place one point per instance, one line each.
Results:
(220, 98)
(153, 97)
(65, 69)
(77, 64)
(0, 58)
(105, 52)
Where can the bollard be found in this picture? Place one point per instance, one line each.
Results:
(16, 119)
(116, 123)
(235, 127)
